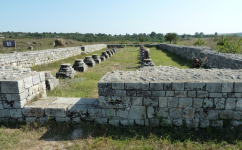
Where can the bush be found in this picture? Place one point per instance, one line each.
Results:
(225, 45)
(199, 42)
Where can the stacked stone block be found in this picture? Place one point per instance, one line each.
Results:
(171, 103)
(66, 71)
(79, 65)
(96, 58)
(105, 54)
(16, 91)
(209, 57)
(89, 61)
(50, 81)
(146, 61)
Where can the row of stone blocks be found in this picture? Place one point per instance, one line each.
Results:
(76, 109)
(206, 55)
(66, 71)
(145, 57)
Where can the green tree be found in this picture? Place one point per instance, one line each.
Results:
(171, 37)
(141, 39)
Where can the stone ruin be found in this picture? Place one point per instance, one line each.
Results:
(145, 57)
(105, 54)
(79, 65)
(89, 61)
(50, 81)
(66, 71)
(110, 54)
(96, 58)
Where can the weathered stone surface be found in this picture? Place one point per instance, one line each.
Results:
(178, 86)
(239, 104)
(180, 94)
(162, 101)
(150, 112)
(230, 103)
(199, 113)
(127, 122)
(56, 110)
(202, 94)
(110, 113)
(12, 86)
(176, 112)
(118, 85)
(76, 101)
(192, 123)
(143, 93)
(114, 122)
(137, 86)
(95, 112)
(30, 119)
(167, 86)
(161, 112)
(154, 122)
(151, 101)
(63, 119)
(4, 113)
(102, 120)
(170, 93)
(36, 109)
(137, 112)
(122, 113)
(158, 93)
(217, 123)
(15, 113)
(172, 101)
(204, 123)
(192, 94)
(197, 102)
(156, 86)
(189, 113)
(43, 119)
(185, 102)
(137, 101)
(219, 103)
(140, 122)
(177, 122)
(213, 87)
(76, 120)
(166, 122)
(238, 87)
(120, 92)
(28, 82)
(207, 103)
(212, 114)
(227, 87)
(195, 86)
(215, 95)
(226, 114)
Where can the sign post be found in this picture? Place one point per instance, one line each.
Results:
(9, 44)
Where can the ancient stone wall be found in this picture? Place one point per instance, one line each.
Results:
(18, 87)
(167, 96)
(206, 55)
(30, 58)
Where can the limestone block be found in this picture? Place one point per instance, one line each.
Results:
(118, 85)
(137, 101)
(227, 87)
(120, 92)
(192, 123)
(178, 86)
(170, 93)
(239, 104)
(140, 122)
(56, 110)
(166, 122)
(234, 95)
(12, 86)
(147, 122)
(192, 94)
(30, 90)
(63, 119)
(76, 120)
(156, 86)
(213, 87)
(212, 114)
(28, 82)
(230, 103)
(43, 119)
(195, 86)
(207, 103)
(19, 104)
(127, 122)
(15, 113)
(189, 113)
(235, 123)
(137, 86)
(177, 122)
(158, 93)
(114, 122)
(36, 109)
(175, 112)
(219, 103)
(154, 122)
(143, 93)
(217, 123)
(131, 93)
(1, 106)
(150, 112)
(94, 113)
(151, 101)
(162, 101)
(161, 112)
(30, 119)
(110, 113)
(185, 102)
(224, 94)
(204, 123)
(4, 113)
(101, 120)
(229, 114)
(238, 87)
(215, 95)
(167, 86)
(36, 79)
(104, 84)
(180, 94)
(137, 112)
(21, 96)
(122, 113)
(202, 94)
(42, 76)
(172, 101)
(197, 102)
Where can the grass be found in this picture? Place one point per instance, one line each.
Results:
(59, 136)
(127, 59)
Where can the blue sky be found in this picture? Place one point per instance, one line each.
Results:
(121, 16)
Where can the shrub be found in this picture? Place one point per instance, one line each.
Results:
(225, 45)
(199, 42)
